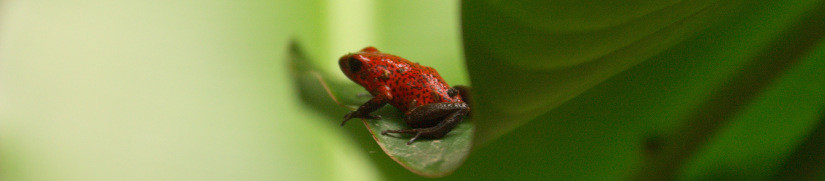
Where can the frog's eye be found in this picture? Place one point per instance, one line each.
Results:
(354, 64)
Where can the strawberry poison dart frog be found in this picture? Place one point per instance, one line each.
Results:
(431, 107)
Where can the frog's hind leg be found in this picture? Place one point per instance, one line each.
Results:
(430, 115)
(447, 115)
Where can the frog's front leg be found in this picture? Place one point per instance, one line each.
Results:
(373, 104)
(448, 116)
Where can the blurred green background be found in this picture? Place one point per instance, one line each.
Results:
(201, 90)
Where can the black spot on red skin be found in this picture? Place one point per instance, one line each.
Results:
(416, 90)
(407, 80)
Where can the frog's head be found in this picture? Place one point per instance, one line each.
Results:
(357, 66)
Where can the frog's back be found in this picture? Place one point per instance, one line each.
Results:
(415, 85)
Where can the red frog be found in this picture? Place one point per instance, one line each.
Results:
(431, 107)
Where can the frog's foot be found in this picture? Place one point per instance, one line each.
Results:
(454, 116)
(373, 104)
(431, 132)
(357, 114)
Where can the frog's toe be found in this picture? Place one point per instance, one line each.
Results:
(373, 117)
(414, 138)
(355, 114)
(419, 132)
(347, 118)
(408, 131)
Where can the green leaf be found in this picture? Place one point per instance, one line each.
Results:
(751, 80)
(425, 157)
(528, 57)
(806, 162)
(605, 132)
